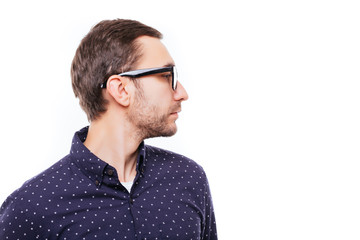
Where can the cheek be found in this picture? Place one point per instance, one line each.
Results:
(158, 93)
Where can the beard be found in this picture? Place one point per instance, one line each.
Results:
(149, 120)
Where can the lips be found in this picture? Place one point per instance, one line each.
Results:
(176, 110)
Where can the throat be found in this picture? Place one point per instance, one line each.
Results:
(113, 145)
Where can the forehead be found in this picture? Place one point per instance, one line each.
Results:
(153, 53)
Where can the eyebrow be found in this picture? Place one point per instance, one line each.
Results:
(169, 65)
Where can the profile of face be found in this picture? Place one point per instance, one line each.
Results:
(155, 106)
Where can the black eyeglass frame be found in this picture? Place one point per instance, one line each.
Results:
(150, 71)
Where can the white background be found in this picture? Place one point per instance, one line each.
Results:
(273, 115)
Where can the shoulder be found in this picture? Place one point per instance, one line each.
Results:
(174, 161)
(22, 197)
(166, 155)
(59, 168)
(24, 208)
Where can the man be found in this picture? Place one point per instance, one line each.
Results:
(112, 185)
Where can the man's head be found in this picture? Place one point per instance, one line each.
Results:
(118, 46)
(109, 48)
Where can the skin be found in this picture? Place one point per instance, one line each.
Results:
(135, 114)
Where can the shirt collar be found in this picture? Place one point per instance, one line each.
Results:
(91, 165)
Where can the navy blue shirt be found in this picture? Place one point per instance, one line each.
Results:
(80, 197)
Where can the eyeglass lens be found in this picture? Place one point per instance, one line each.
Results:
(175, 78)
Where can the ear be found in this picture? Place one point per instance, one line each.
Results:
(116, 87)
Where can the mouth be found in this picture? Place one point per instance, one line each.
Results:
(175, 113)
(175, 110)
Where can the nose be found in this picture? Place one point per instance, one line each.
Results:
(180, 93)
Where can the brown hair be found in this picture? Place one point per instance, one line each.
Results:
(109, 48)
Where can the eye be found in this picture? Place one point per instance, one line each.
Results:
(167, 76)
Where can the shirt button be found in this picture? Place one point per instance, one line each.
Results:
(110, 172)
(97, 182)
(131, 201)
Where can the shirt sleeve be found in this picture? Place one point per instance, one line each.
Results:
(209, 228)
(14, 221)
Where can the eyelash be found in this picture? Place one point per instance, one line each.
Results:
(167, 76)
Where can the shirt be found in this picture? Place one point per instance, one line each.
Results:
(80, 197)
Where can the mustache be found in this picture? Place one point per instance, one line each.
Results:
(176, 108)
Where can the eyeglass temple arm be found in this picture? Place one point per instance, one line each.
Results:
(144, 72)
(141, 73)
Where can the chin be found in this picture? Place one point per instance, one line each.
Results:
(169, 132)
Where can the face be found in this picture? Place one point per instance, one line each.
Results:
(155, 105)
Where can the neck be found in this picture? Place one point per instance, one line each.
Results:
(113, 142)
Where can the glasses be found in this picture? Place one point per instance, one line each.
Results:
(150, 71)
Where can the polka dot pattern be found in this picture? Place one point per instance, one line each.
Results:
(80, 197)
